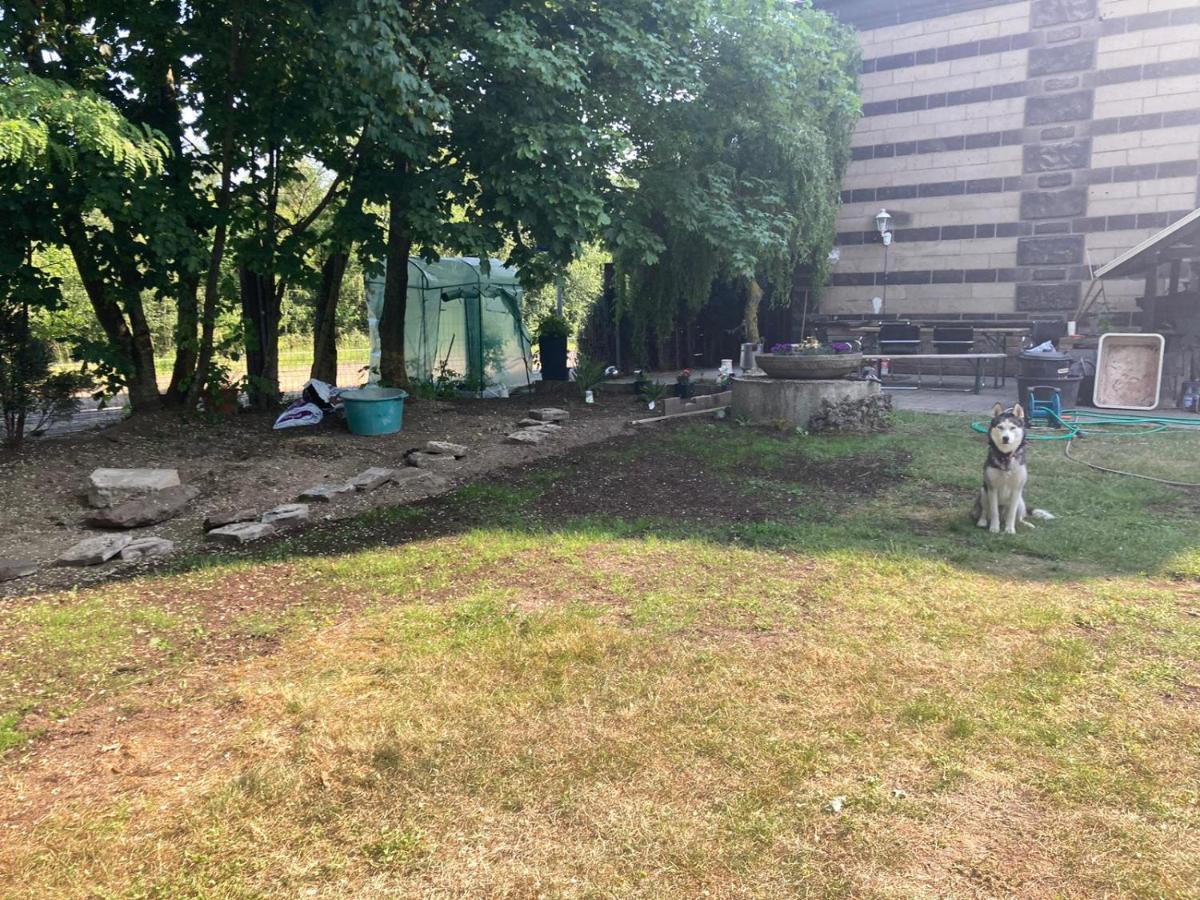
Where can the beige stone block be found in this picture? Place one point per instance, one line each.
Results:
(1111, 158)
(1114, 108)
(1134, 57)
(1162, 153)
(1016, 13)
(1112, 191)
(1131, 90)
(1175, 202)
(1172, 102)
(1182, 50)
(1118, 206)
(1116, 43)
(1183, 185)
(1183, 134)
(1106, 142)
(1111, 9)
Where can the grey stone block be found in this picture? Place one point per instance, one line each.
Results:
(773, 400)
(147, 546)
(372, 478)
(1047, 297)
(434, 461)
(323, 493)
(223, 517)
(1058, 108)
(240, 533)
(410, 475)
(95, 550)
(1058, 156)
(109, 486)
(16, 568)
(526, 436)
(549, 414)
(1054, 204)
(1063, 58)
(1048, 13)
(284, 516)
(1057, 250)
(149, 509)
(446, 448)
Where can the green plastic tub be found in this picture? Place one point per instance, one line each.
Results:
(374, 410)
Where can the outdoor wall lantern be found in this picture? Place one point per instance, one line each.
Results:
(882, 220)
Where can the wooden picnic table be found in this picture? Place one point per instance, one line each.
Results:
(978, 359)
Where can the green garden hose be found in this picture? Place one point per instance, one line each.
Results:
(1073, 423)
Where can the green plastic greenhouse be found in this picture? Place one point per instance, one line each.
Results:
(459, 319)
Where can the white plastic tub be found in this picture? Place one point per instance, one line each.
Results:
(1129, 371)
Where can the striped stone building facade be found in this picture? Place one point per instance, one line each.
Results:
(1017, 144)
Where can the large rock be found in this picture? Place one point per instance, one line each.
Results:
(445, 448)
(323, 493)
(146, 510)
(240, 533)
(545, 428)
(285, 516)
(95, 550)
(549, 414)
(16, 568)
(526, 436)
(147, 546)
(372, 478)
(109, 486)
(434, 461)
(223, 517)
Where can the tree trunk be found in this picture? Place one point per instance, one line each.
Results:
(325, 358)
(260, 317)
(133, 346)
(392, 371)
(187, 320)
(212, 280)
(754, 295)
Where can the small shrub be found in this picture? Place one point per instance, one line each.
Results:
(553, 325)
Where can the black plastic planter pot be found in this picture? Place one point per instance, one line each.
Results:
(553, 351)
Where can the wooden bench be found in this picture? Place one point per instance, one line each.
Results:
(978, 358)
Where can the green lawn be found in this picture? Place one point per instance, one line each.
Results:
(643, 670)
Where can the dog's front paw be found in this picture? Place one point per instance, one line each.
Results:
(982, 523)
(994, 529)
(1010, 530)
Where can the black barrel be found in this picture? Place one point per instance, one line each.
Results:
(1051, 370)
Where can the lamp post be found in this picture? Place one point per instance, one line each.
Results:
(882, 219)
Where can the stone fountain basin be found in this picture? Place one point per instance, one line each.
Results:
(808, 367)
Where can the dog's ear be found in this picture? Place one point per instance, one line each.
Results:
(1019, 412)
(996, 410)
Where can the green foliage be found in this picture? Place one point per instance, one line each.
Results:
(553, 325)
(738, 177)
(582, 285)
(589, 373)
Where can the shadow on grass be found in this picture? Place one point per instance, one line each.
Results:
(906, 494)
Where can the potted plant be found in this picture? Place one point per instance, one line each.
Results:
(810, 360)
(552, 334)
(223, 391)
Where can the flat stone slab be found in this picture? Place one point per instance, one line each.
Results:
(446, 448)
(549, 414)
(240, 533)
(372, 478)
(16, 568)
(546, 428)
(323, 493)
(435, 461)
(285, 515)
(95, 550)
(530, 423)
(147, 546)
(223, 517)
(410, 475)
(149, 509)
(109, 486)
(527, 436)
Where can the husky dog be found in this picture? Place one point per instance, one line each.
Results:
(1004, 473)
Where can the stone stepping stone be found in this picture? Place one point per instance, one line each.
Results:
(546, 428)
(223, 517)
(109, 486)
(240, 533)
(445, 448)
(149, 509)
(372, 478)
(95, 550)
(323, 493)
(410, 475)
(435, 461)
(549, 414)
(11, 569)
(284, 516)
(147, 546)
(526, 436)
